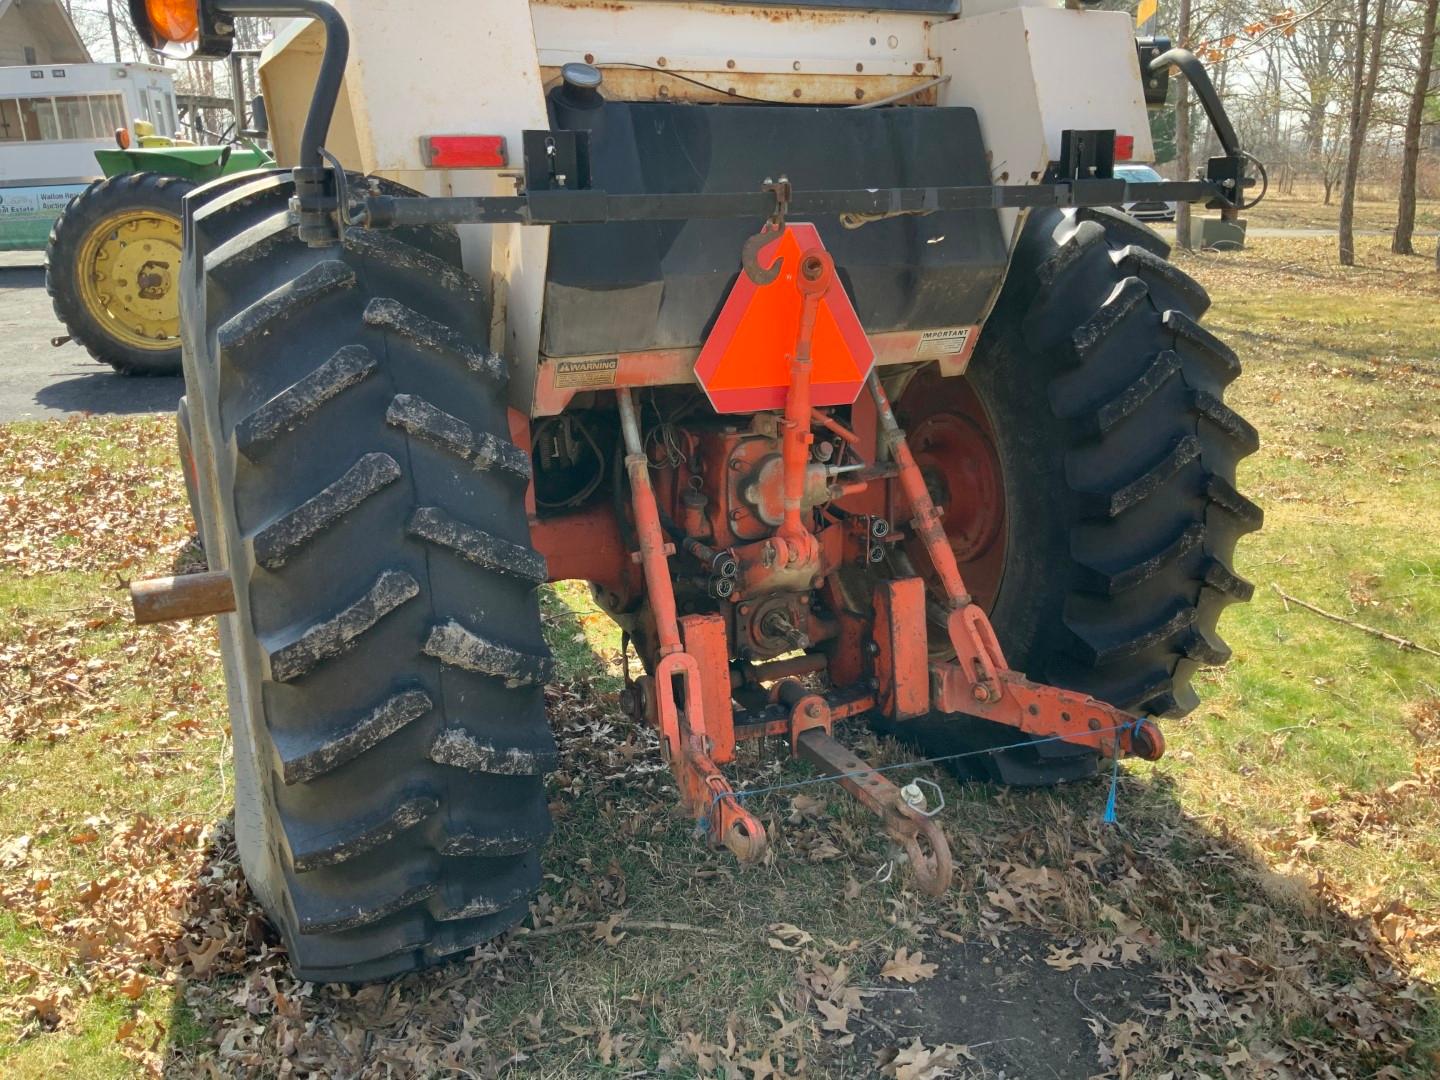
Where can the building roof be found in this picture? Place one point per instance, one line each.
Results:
(48, 19)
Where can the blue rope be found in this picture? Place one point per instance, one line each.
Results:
(1109, 817)
(1131, 726)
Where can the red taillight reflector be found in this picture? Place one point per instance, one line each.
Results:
(464, 151)
(1124, 147)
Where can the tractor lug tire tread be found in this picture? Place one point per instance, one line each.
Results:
(1119, 453)
(385, 588)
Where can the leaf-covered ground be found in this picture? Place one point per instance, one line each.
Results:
(1266, 906)
(1304, 207)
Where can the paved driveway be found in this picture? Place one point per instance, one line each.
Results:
(40, 382)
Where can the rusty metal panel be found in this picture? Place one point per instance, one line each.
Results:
(706, 87)
(716, 37)
(902, 659)
(705, 639)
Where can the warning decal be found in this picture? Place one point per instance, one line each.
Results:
(937, 343)
(573, 373)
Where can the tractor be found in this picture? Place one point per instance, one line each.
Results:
(807, 334)
(112, 263)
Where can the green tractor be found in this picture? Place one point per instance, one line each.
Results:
(114, 253)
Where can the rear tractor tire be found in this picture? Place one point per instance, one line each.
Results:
(113, 271)
(385, 660)
(1090, 457)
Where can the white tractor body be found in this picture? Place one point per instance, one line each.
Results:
(1029, 70)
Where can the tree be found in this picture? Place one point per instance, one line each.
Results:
(1319, 55)
(1182, 131)
(1331, 159)
(1410, 165)
(1362, 99)
(114, 28)
(1162, 134)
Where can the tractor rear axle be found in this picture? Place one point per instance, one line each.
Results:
(752, 556)
(793, 526)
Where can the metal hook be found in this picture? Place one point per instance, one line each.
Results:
(774, 227)
(750, 258)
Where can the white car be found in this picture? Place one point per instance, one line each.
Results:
(1152, 210)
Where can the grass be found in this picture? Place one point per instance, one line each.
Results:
(1343, 379)
(1305, 208)
(1283, 858)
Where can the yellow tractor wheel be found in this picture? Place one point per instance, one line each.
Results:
(114, 271)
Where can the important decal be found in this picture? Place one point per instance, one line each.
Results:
(573, 373)
(937, 343)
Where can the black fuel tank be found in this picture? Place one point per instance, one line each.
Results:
(632, 287)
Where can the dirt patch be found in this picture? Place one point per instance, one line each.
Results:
(1016, 1015)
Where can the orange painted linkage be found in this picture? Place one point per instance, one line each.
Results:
(813, 281)
(679, 693)
(978, 681)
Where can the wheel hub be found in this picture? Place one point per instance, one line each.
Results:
(127, 277)
(954, 445)
(153, 281)
(958, 462)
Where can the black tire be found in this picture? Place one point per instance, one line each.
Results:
(385, 660)
(1118, 456)
(187, 466)
(102, 337)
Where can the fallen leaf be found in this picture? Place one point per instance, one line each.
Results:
(835, 1017)
(50, 1006)
(14, 851)
(605, 929)
(908, 967)
(919, 1062)
(788, 938)
(202, 958)
(1091, 957)
(806, 807)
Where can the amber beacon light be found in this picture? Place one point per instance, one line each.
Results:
(181, 28)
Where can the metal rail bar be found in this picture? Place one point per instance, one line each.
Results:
(332, 62)
(593, 206)
(1195, 73)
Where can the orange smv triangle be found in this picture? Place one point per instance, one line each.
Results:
(744, 365)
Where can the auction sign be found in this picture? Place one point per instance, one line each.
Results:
(26, 214)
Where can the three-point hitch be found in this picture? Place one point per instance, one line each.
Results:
(876, 653)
